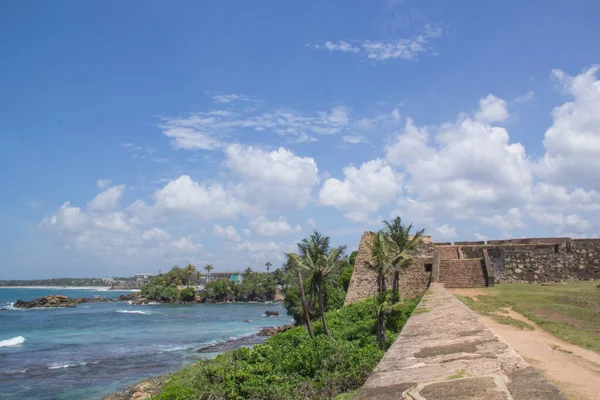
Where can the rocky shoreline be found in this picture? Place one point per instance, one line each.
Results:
(58, 300)
(150, 387)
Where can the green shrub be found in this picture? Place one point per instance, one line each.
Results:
(187, 294)
(170, 294)
(292, 366)
(345, 278)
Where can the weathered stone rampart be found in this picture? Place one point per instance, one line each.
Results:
(446, 352)
(467, 273)
(479, 264)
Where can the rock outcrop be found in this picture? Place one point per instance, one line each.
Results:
(59, 300)
(271, 331)
(46, 302)
(272, 313)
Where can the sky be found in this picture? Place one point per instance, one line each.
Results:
(139, 135)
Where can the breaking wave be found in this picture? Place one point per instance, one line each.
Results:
(12, 342)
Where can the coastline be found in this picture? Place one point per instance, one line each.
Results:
(97, 288)
(150, 387)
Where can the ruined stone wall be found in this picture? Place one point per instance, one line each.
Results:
(413, 281)
(467, 273)
(448, 252)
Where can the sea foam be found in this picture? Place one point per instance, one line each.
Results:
(12, 342)
(132, 312)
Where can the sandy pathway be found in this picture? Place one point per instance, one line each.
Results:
(574, 370)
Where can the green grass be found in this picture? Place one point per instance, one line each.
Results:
(569, 311)
(421, 310)
(459, 374)
(292, 366)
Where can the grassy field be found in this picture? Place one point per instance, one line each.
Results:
(569, 311)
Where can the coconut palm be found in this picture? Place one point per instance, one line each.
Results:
(268, 265)
(381, 311)
(188, 272)
(295, 260)
(402, 245)
(382, 258)
(317, 257)
(208, 268)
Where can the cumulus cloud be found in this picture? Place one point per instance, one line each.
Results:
(229, 233)
(446, 231)
(108, 199)
(363, 190)
(184, 196)
(277, 178)
(492, 109)
(572, 143)
(511, 220)
(278, 227)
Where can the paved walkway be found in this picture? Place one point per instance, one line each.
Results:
(446, 352)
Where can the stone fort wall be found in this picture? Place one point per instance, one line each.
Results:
(480, 264)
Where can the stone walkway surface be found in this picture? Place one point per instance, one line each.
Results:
(446, 352)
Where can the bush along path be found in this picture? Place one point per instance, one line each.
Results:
(291, 365)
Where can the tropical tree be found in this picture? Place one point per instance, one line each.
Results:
(297, 262)
(381, 315)
(208, 268)
(382, 257)
(402, 244)
(247, 272)
(316, 256)
(188, 273)
(268, 265)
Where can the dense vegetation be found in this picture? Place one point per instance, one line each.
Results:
(174, 286)
(291, 365)
(164, 287)
(255, 286)
(59, 282)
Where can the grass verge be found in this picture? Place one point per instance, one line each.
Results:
(292, 366)
(569, 311)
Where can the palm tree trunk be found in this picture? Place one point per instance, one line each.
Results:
(395, 287)
(304, 305)
(322, 311)
(381, 332)
(381, 283)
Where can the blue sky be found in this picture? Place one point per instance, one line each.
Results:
(139, 135)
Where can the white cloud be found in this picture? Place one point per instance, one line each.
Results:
(103, 183)
(527, 97)
(364, 190)
(229, 233)
(229, 98)
(456, 168)
(512, 220)
(353, 139)
(108, 199)
(279, 227)
(187, 197)
(213, 129)
(278, 178)
(379, 51)
(492, 109)
(572, 143)
(446, 231)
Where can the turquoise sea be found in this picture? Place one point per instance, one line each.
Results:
(95, 349)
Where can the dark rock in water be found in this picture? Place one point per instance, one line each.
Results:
(3, 309)
(272, 313)
(59, 301)
(139, 301)
(129, 297)
(271, 331)
(47, 302)
(233, 344)
(246, 320)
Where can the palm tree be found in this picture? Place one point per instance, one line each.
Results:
(188, 273)
(382, 258)
(247, 272)
(268, 265)
(402, 244)
(317, 257)
(381, 314)
(295, 260)
(208, 268)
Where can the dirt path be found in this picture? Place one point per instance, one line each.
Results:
(574, 370)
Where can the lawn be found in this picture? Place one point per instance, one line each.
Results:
(569, 311)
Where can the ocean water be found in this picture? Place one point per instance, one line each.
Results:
(95, 349)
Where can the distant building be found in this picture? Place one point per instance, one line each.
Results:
(142, 278)
(235, 277)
